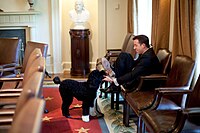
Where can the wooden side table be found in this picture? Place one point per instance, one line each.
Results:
(79, 51)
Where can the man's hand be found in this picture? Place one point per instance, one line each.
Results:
(107, 78)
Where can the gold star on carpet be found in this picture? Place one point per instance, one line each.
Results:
(48, 98)
(46, 118)
(82, 130)
(77, 106)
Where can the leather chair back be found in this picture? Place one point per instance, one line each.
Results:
(33, 67)
(129, 47)
(126, 40)
(195, 96)
(9, 50)
(193, 101)
(30, 46)
(164, 56)
(181, 74)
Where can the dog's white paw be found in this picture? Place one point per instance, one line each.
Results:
(92, 111)
(85, 118)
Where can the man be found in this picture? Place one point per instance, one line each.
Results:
(126, 71)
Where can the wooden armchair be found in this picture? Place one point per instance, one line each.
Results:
(32, 88)
(112, 54)
(182, 120)
(30, 63)
(10, 96)
(164, 56)
(149, 99)
(30, 47)
(9, 55)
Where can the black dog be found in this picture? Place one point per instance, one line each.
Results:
(82, 91)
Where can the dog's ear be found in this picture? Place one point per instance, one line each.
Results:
(102, 72)
(95, 78)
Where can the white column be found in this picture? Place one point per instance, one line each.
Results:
(56, 36)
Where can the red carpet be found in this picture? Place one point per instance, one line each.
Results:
(54, 122)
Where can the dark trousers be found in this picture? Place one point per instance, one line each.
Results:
(123, 64)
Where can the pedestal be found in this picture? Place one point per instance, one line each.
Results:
(79, 51)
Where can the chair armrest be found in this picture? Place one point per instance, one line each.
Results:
(151, 81)
(173, 90)
(109, 50)
(154, 77)
(112, 54)
(8, 69)
(11, 79)
(159, 92)
(8, 65)
(147, 83)
(18, 67)
(194, 110)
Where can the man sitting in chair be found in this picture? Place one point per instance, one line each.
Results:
(126, 71)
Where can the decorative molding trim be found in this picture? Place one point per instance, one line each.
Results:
(20, 13)
(18, 18)
(21, 20)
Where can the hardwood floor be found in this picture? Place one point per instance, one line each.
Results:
(66, 75)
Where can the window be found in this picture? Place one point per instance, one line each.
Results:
(142, 17)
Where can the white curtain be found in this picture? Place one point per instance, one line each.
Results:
(197, 37)
(142, 17)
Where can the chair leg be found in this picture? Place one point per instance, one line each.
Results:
(140, 126)
(117, 101)
(126, 113)
(1, 84)
(106, 94)
(112, 100)
(101, 93)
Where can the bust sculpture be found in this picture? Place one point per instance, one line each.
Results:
(79, 15)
